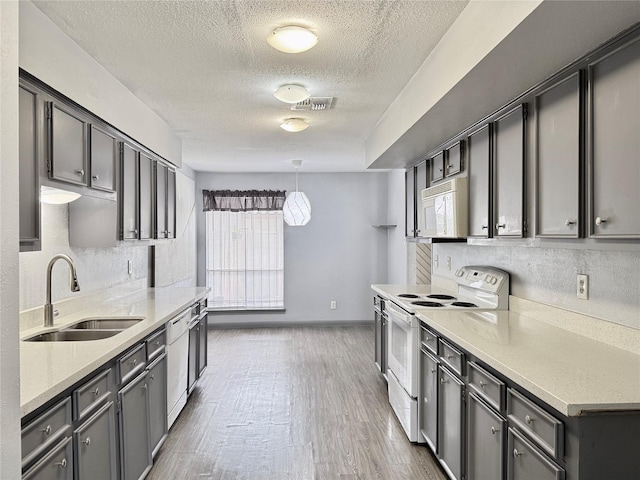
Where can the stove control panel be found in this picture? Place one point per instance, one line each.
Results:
(488, 279)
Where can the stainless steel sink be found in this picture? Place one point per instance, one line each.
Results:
(73, 336)
(106, 323)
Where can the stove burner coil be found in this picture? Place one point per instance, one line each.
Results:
(408, 295)
(441, 296)
(428, 304)
(464, 304)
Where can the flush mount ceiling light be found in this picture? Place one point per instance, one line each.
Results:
(291, 93)
(294, 124)
(57, 196)
(296, 210)
(292, 39)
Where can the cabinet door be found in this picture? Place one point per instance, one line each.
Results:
(56, 465)
(128, 193)
(615, 147)
(526, 462)
(95, 446)
(146, 197)
(135, 451)
(410, 202)
(194, 341)
(171, 204)
(28, 171)
(437, 167)
(485, 441)
(559, 159)
(454, 157)
(421, 183)
(103, 159)
(160, 200)
(377, 321)
(202, 346)
(67, 145)
(480, 202)
(384, 346)
(509, 173)
(428, 403)
(158, 402)
(451, 422)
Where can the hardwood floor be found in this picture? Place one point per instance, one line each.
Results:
(291, 404)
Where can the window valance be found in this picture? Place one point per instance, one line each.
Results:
(243, 200)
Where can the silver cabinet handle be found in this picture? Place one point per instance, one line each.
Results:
(47, 430)
(434, 370)
(600, 220)
(62, 463)
(80, 172)
(145, 386)
(95, 177)
(528, 419)
(135, 230)
(96, 392)
(501, 225)
(157, 343)
(483, 385)
(568, 223)
(443, 381)
(133, 362)
(494, 430)
(484, 227)
(449, 356)
(87, 441)
(516, 453)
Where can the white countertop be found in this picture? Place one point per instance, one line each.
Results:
(49, 368)
(572, 373)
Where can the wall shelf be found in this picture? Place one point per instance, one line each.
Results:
(384, 226)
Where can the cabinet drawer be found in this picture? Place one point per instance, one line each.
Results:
(91, 395)
(486, 386)
(429, 340)
(156, 344)
(526, 462)
(46, 430)
(540, 426)
(131, 364)
(452, 357)
(57, 465)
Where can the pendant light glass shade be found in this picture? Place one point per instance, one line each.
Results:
(56, 196)
(291, 93)
(292, 39)
(294, 125)
(297, 208)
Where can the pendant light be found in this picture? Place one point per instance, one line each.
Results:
(296, 209)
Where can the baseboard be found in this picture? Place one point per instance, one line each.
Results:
(288, 323)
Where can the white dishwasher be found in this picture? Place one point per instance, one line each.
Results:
(177, 364)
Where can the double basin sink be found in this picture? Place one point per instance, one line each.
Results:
(88, 329)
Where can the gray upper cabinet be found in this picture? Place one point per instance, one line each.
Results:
(422, 181)
(29, 171)
(479, 168)
(410, 202)
(103, 159)
(454, 159)
(146, 197)
(509, 141)
(161, 200)
(171, 204)
(128, 193)
(614, 154)
(67, 139)
(559, 159)
(437, 167)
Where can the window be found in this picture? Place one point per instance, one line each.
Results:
(245, 256)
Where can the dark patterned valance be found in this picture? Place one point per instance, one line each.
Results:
(243, 200)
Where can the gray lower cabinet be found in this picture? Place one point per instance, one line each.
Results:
(428, 403)
(526, 462)
(202, 346)
(135, 448)
(486, 434)
(57, 465)
(67, 142)
(157, 382)
(194, 343)
(451, 433)
(95, 446)
(29, 148)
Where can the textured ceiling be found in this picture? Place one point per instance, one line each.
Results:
(205, 67)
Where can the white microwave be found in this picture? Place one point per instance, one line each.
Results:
(444, 210)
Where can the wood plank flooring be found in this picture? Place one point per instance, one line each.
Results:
(291, 404)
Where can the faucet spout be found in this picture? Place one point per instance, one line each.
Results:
(74, 286)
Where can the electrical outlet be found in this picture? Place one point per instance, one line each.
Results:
(436, 261)
(449, 263)
(582, 287)
(130, 267)
(334, 304)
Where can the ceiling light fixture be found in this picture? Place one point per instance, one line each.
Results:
(57, 196)
(296, 210)
(292, 39)
(291, 93)
(294, 124)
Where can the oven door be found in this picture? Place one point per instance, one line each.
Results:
(403, 348)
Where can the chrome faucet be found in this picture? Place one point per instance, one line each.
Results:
(75, 286)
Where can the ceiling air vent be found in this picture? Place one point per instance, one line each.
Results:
(314, 103)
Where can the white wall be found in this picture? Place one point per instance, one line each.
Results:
(50, 55)
(9, 355)
(336, 256)
(397, 250)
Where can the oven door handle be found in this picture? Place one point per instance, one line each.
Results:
(400, 319)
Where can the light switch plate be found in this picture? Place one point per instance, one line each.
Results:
(582, 287)
(129, 267)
